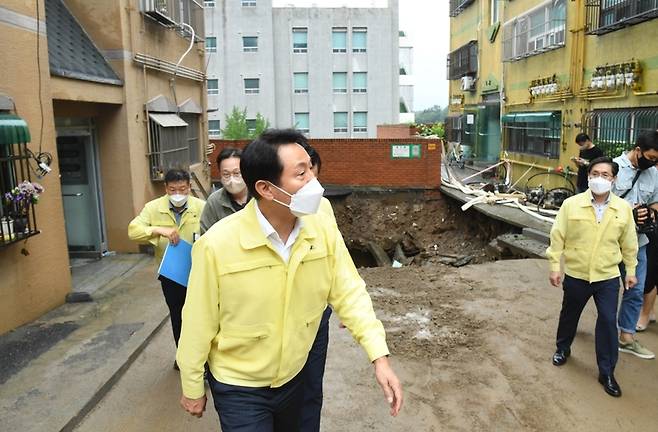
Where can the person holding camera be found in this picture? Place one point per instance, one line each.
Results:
(637, 183)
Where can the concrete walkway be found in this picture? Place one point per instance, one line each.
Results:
(54, 370)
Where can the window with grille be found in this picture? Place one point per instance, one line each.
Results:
(340, 122)
(360, 82)
(193, 144)
(458, 6)
(463, 61)
(301, 82)
(360, 121)
(302, 122)
(340, 82)
(359, 39)
(533, 33)
(616, 130)
(300, 40)
(604, 16)
(533, 133)
(213, 86)
(168, 143)
(251, 85)
(250, 43)
(453, 128)
(339, 39)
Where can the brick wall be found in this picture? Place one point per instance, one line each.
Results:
(367, 162)
(396, 131)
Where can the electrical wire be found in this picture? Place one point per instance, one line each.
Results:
(39, 76)
(173, 84)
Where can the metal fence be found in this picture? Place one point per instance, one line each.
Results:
(458, 6)
(616, 130)
(604, 16)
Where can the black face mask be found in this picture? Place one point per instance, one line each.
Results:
(644, 163)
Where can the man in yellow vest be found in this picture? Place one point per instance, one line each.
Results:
(261, 280)
(167, 220)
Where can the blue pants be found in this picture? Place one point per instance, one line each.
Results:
(313, 374)
(258, 409)
(631, 302)
(577, 293)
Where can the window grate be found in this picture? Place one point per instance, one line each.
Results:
(616, 130)
(605, 16)
(533, 133)
(463, 61)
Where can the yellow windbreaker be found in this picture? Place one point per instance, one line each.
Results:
(157, 213)
(253, 316)
(592, 251)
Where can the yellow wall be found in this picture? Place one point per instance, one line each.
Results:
(32, 285)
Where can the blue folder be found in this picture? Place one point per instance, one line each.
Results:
(177, 262)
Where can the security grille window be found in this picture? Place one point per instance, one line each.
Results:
(604, 16)
(168, 143)
(340, 122)
(360, 121)
(17, 221)
(359, 39)
(533, 133)
(192, 121)
(209, 4)
(453, 128)
(211, 44)
(458, 6)
(214, 128)
(250, 44)
(616, 130)
(339, 39)
(302, 122)
(340, 82)
(300, 40)
(463, 61)
(251, 125)
(172, 13)
(251, 85)
(213, 86)
(301, 82)
(360, 82)
(539, 31)
(248, 3)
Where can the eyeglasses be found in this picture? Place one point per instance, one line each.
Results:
(602, 175)
(227, 175)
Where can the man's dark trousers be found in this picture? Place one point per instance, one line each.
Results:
(577, 293)
(313, 375)
(174, 294)
(258, 409)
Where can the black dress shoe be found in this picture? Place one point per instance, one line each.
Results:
(560, 357)
(610, 385)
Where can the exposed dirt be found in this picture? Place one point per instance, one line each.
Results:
(418, 224)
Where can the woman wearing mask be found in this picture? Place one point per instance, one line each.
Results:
(233, 195)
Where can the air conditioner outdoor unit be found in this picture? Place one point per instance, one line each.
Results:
(159, 10)
(468, 83)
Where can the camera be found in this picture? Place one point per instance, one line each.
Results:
(650, 224)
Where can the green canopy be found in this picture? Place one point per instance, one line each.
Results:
(13, 130)
(530, 117)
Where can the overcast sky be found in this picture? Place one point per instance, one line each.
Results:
(427, 24)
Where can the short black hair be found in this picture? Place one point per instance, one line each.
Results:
(260, 159)
(647, 141)
(313, 153)
(582, 137)
(176, 174)
(227, 153)
(605, 160)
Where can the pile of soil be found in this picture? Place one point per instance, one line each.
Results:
(424, 227)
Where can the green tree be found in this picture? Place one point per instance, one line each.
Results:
(238, 127)
(431, 115)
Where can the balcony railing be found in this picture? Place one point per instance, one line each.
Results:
(458, 6)
(521, 41)
(605, 16)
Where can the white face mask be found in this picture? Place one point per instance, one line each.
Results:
(599, 185)
(306, 200)
(235, 185)
(178, 200)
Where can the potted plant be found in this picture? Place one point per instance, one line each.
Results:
(18, 201)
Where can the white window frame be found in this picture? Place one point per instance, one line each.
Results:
(300, 50)
(251, 91)
(211, 49)
(303, 130)
(249, 49)
(359, 30)
(341, 129)
(495, 11)
(299, 90)
(209, 4)
(359, 128)
(215, 132)
(212, 92)
(338, 90)
(520, 44)
(249, 3)
(359, 89)
(338, 30)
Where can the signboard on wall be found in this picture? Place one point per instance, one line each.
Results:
(405, 151)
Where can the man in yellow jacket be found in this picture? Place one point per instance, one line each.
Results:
(166, 220)
(260, 283)
(594, 232)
